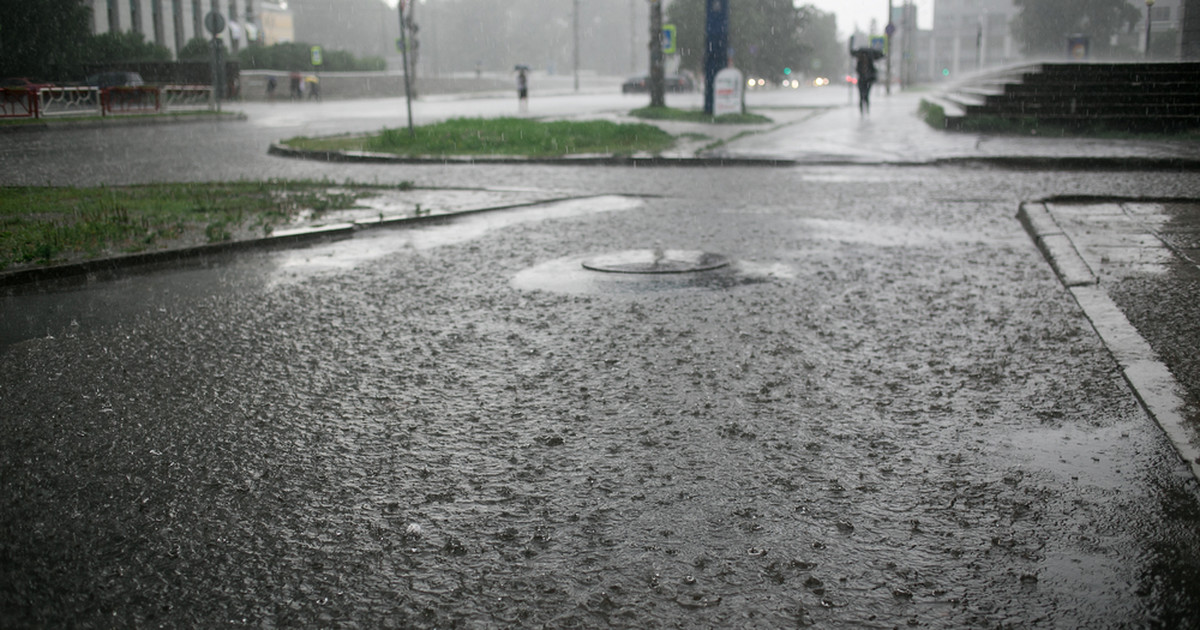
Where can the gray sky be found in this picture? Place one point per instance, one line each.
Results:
(850, 12)
(861, 11)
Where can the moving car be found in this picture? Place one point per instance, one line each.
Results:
(24, 83)
(115, 79)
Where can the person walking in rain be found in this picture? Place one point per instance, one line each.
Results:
(522, 90)
(864, 65)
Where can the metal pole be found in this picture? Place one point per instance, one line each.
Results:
(575, 28)
(407, 84)
(1149, 6)
(888, 61)
(656, 55)
(716, 42)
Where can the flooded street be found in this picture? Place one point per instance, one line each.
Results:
(885, 412)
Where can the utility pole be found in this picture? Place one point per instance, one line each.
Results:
(657, 99)
(404, 58)
(576, 30)
(889, 30)
(716, 41)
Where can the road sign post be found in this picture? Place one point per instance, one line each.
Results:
(215, 23)
(404, 58)
(716, 42)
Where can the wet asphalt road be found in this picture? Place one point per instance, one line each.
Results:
(887, 412)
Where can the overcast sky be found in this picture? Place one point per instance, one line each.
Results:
(862, 11)
(850, 12)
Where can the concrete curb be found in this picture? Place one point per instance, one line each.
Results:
(128, 120)
(364, 157)
(647, 161)
(1159, 393)
(278, 240)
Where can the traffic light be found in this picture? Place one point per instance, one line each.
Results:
(787, 71)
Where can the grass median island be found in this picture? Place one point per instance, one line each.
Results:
(41, 224)
(502, 136)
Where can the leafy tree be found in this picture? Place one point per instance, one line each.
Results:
(819, 34)
(124, 47)
(297, 56)
(766, 35)
(1042, 26)
(43, 38)
(199, 49)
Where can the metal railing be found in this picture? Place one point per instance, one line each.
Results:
(18, 103)
(69, 101)
(93, 101)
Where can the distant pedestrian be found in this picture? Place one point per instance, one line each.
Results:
(312, 84)
(271, 85)
(522, 91)
(295, 86)
(864, 65)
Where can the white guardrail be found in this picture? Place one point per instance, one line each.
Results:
(56, 102)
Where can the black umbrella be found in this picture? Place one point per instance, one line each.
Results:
(871, 53)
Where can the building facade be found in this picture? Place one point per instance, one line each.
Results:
(971, 35)
(171, 23)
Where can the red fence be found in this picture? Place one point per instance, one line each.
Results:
(18, 103)
(129, 100)
(90, 101)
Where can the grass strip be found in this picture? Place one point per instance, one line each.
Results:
(502, 136)
(698, 116)
(40, 224)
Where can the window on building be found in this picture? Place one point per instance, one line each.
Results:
(114, 17)
(197, 19)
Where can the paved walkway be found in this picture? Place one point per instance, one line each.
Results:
(893, 133)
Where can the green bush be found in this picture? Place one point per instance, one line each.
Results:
(199, 49)
(297, 56)
(124, 47)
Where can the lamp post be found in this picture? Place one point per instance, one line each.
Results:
(1149, 6)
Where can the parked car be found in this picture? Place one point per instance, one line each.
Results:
(24, 83)
(115, 79)
(671, 83)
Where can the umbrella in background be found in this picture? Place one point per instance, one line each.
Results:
(870, 53)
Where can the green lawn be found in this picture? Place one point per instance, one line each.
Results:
(502, 136)
(40, 224)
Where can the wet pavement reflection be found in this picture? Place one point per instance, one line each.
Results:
(884, 412)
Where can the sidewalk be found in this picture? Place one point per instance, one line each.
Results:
(1133, 266)
(894, 134)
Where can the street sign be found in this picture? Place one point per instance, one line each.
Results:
(728, 92)
(214, 22)
(890, 29)
(315, 51)
(668, 39)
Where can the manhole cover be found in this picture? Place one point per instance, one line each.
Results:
(656, 261)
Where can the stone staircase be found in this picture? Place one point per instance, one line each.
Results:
(1135, 97)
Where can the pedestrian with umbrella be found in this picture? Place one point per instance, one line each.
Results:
(864, 65)
(522, 88)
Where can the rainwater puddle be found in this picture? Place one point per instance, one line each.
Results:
(569, 275)
(374, 244)
(1071, 455)
(396, 204)
(880, 235)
